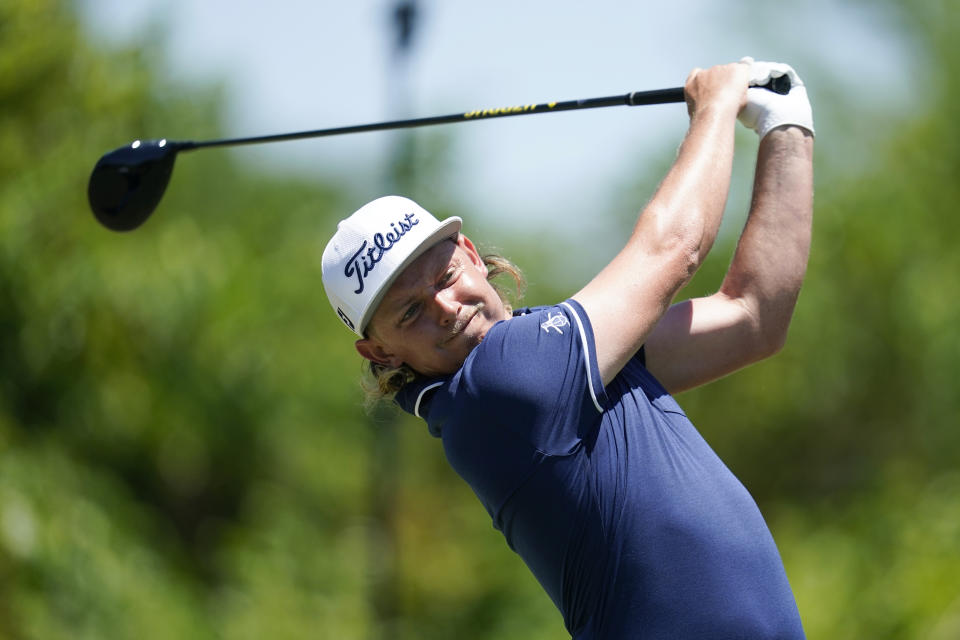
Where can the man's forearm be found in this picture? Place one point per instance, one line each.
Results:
(691, 198)
(629, 296)
(771, 257)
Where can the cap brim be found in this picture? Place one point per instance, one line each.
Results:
(449, 228)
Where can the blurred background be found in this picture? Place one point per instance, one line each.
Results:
(184, 451)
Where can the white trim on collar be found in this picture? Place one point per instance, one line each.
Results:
(429, 387)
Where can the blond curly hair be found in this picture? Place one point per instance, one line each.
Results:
(382, 382)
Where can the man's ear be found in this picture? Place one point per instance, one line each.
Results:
(374, 352)
(464, 243)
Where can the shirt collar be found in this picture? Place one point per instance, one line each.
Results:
(415, 396)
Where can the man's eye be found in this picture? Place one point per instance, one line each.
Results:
(410, 312)
(448, 276)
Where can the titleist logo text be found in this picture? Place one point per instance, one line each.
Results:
(366, 258)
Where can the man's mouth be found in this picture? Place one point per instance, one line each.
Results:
(461, 322)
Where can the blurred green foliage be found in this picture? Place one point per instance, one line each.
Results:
(183, 452)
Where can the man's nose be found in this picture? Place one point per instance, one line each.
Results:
(446, 306)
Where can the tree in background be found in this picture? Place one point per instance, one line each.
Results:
(149, 451)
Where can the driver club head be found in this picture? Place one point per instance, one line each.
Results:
(127, 183)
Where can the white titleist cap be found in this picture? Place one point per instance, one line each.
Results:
(371, 248)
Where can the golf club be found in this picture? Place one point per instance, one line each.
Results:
(126, 184)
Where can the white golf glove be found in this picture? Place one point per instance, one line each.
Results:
(767, 109)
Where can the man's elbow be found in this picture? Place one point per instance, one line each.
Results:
(681, 246)
(772, 343)
(767, 330)
(765, 321)
(771, 338)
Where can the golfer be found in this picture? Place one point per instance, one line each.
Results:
(561, 417)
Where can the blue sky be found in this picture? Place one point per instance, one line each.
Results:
(298, 65)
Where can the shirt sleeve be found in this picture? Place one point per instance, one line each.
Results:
(537, 375)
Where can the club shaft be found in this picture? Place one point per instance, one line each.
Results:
(635, 98)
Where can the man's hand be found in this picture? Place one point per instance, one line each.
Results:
(766, 110)
(723, 86)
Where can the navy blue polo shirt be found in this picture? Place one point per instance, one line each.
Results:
(627, 518)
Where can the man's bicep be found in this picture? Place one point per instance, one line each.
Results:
(700, 340)
(624, 308)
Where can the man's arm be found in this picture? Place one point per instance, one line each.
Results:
(676, 229)
(703, 339)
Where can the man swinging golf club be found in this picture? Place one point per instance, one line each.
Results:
(560, 417)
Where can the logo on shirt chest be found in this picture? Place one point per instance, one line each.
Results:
(555, 321)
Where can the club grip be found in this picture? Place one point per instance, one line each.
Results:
(780, 84)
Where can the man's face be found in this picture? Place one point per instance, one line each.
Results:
(435, 313)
